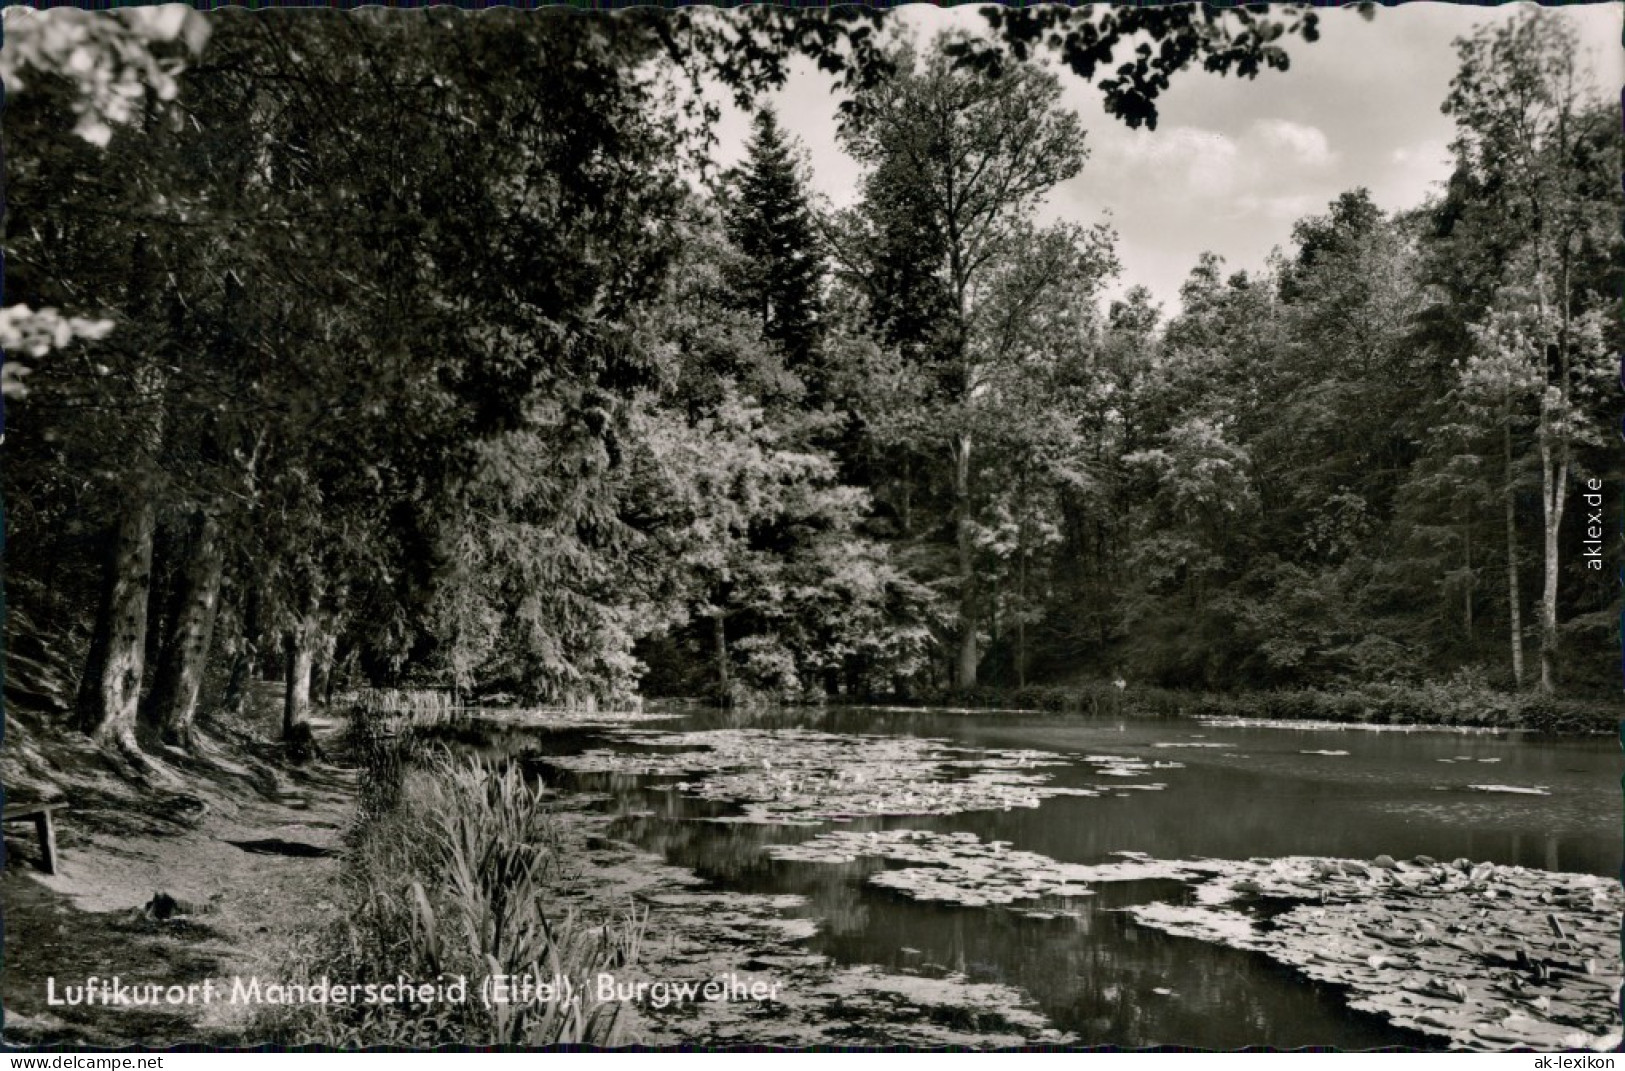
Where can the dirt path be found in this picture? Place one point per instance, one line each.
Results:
(247, 854)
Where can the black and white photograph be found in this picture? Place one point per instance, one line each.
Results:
(842, 528)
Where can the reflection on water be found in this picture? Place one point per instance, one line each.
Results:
(1096, 973)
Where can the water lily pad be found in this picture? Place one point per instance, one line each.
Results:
(1220, 722)
(1230, 928)
(1526, 974)
(799, 777)
(958, 868)
(567, 719)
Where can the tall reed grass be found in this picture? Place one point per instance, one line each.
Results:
(406, 707)
(453, 872)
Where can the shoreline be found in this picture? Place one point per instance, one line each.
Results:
(1376, 706)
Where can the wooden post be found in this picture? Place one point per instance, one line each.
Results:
(47, 839)
(44, 828)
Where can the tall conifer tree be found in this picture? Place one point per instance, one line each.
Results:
(768, 217)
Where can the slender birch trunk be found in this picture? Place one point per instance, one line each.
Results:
(720, 633)
(1509, 497)
(966, 675)
(1554, 472)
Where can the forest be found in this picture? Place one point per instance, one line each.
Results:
(436, 351)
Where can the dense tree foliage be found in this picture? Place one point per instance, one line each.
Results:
(371, 348)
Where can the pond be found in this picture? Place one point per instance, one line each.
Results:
(1172, 789)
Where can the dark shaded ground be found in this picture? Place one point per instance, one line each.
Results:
(48, 938)
(278, 846)
(207, 874)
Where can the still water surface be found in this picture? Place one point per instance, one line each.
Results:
(1260, 793)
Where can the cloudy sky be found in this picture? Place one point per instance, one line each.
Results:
(1233, 163)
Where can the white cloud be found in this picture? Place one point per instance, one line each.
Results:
(1283, 208)
(1188, 160)
(1195, 162)
(1300, 143)
(1431, 153)
(1409, 174)
(1234, 162)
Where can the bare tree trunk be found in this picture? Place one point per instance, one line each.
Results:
(1553, 475)
(245, 665)
(300, 645)
(321, 687)
(721, 634)
(296, 699)
(1512, 557)
(905, 511)
(1021, 584)
(1472, 581)
(993, 613)
(1554, 478)
(173, 702)
(966, 676)
(110, 690)
(1021, 620)
(163, 599)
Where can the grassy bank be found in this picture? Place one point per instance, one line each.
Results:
(457, 867)
(450, 876)
(1438, 703)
